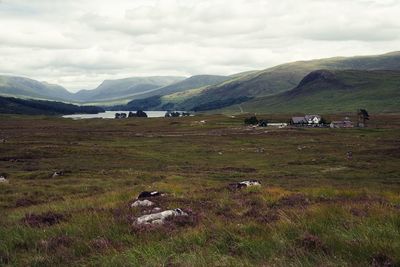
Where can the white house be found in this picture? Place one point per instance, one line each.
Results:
(313, 119)
(308, 119)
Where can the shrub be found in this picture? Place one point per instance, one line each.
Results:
(251, 121)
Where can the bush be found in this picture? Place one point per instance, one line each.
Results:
(172, 114)
(138, 114)
(251, 121)
(141, 113)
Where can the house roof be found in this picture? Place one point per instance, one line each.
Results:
(299, 120)
(310, 117)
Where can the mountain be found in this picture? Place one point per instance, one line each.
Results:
(276, 80)
(199, 93)
(10, 105)
(125, 88)
(193, 82)
(109, 90)
(28, 88)
(153, 99)
(333, 91)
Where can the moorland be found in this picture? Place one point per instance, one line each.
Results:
(316, 206)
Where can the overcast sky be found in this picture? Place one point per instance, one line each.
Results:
(80, 43)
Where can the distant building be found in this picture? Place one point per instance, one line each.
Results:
(313, 119)
(278, 124)
(307, 120)
(299, 120)
(342, 124)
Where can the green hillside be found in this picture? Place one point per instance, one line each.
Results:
(9, 105)
(282, 78)
(332, 92)
(193, 82)
(155, 100)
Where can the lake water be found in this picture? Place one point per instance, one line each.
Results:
(111, 115)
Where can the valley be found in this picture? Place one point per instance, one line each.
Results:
(270, 90)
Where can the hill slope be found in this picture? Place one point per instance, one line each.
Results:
(333, 91)
(282, 78)
(193, 82)
(123, 88)
(28, 88)
(154, 99)
(10, 105)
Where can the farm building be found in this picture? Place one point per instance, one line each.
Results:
(313, 119)
(342, 124)
(307, 120)
(299, 120)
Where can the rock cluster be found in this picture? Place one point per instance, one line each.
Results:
(154, 216)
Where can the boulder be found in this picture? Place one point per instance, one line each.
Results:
(160, 217)
(244, 184)
(154, 210)
(142, 203)
(147, 194)
(57, 173)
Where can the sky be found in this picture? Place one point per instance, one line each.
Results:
(78, 44)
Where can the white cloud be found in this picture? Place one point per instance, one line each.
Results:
(80, 43)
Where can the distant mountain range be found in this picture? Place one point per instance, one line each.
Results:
(369, 81)
(274, 81)
(109, 90)
(28, 88)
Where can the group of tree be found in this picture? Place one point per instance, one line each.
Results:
(254, 121)
(10, 105)
(138, 114)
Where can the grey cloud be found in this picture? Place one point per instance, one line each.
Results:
(80, 43)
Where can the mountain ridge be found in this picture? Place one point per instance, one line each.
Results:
(333, 91)
(199, 92)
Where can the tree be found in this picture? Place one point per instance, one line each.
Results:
(172, 114)
(323, 121)
(141, 113)
(251, 121)
(263, 123)
(363, 116)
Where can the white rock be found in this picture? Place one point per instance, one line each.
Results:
(156, 209)
(142, 203)
(57, 174)
(250, 183)
(159, 218)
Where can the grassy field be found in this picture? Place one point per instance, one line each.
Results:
(316, 207)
